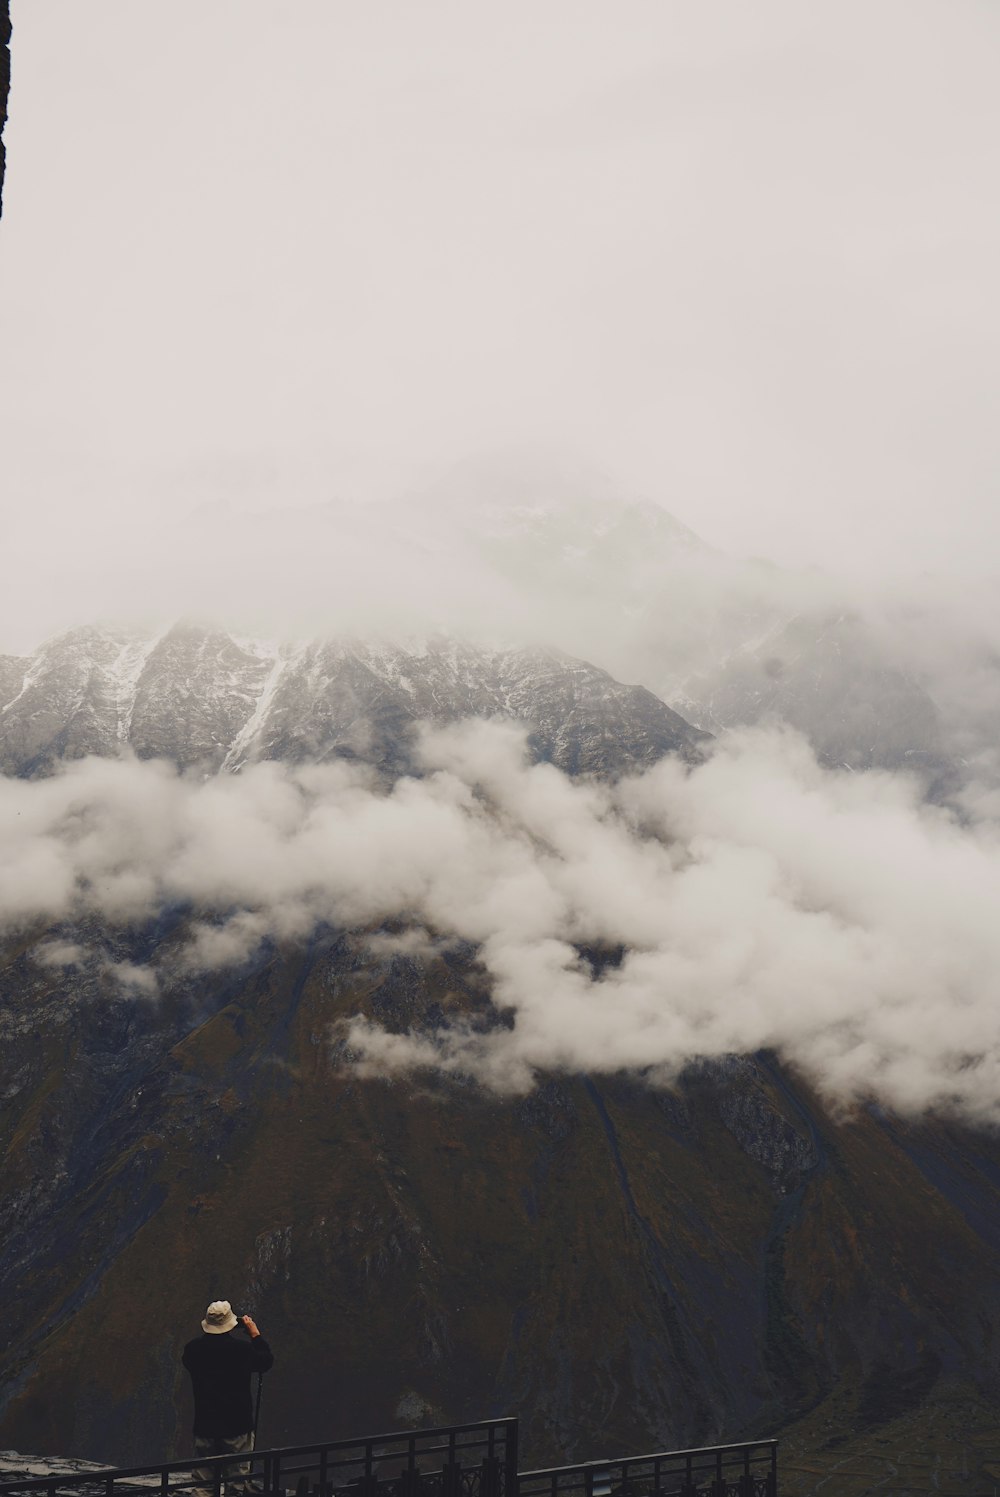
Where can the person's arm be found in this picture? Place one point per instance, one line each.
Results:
(262, 1358)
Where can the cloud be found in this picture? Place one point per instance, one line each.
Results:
(413, 942)
(135, 980)
(59, 953)
(759, 901)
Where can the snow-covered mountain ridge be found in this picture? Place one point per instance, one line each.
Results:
(198, 696)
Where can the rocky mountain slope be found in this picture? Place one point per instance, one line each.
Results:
(625, 1267)
(830, 678)
(198, 697)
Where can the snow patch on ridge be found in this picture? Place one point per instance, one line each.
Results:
(239, 751)
(32, 674)
(124, 675)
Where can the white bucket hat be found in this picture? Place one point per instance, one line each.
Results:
(219, 1318)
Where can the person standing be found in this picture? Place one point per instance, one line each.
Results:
(222, 1363)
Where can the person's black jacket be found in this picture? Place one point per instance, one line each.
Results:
(221, 1369)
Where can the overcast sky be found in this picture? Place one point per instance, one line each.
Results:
(742, 257)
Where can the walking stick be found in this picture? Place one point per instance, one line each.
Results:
(256, 1412)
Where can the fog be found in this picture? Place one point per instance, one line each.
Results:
(253, 261)
(762, 902)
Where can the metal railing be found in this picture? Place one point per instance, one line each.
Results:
(748, 1470)
(465, 1460)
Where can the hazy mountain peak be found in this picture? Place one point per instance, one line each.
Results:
(510, 491)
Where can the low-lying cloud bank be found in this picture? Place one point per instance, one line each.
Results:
(761, 901)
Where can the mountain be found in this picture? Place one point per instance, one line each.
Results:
(538, 518)
(197, 696)
(831, 678)
(525, 550)
(587, 563)
(625, 1266)
(905, 681)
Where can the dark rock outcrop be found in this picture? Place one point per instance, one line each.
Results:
(5, 34)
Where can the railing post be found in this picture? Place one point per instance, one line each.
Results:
(490, 1479)
(598, 1481)
(746, 1487)
(510, 1471)
(718, 1488)
(451, 1479)
(410, 1482)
